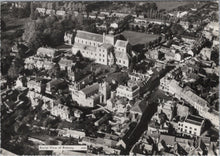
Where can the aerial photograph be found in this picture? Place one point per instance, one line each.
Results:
(110, 78)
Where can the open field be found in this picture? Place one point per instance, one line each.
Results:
(138, 38)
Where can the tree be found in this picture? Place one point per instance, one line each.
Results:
(136, 28)
(35, 15)
(16, 68)
(54, 72)
(90, 28)
(13, 72)
(22, 12)
(3, 25)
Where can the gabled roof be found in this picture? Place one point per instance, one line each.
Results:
(90, 88)
(180, 150)
(168, 139)
(121, 55)
(65, 61)
(121, 43)
(43, 50)
(194, 120)
(196, 98)
(89, 36)
(139, 106)
(106, 45)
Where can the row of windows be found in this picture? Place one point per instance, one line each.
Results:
(191, 128)
(88, 43)
(102, 50)
(187, 127)
(121, 61)
(120, 49)
(186, 131)
(122, 94)
(100, 60)
(92, 54)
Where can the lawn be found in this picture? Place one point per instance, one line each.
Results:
(138, 38)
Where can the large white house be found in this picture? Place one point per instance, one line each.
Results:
(131, 91)
(192, 125)
(104, 49)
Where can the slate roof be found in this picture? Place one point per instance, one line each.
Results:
(121, 43)
(84, 47)
(139, 106)
(65, 61)
(90, 88)
(89, 36)
(194, 120)
(122, 55)
(169, 139)
(195, 98)
(44, 51)
(106, 45)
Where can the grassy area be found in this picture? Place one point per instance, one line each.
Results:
(138, 38)
(169, 5)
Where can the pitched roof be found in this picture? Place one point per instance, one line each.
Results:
(43, 50)
(168, 139)
(122, 101)
(139, 106)
(121, 43)
(106, 45)
(90, 88)
(195, 98)
(194, 120)
(84, 47)
(89, 36)
(121, 55)
(65, 61)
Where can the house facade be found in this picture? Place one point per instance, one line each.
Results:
(192, 125)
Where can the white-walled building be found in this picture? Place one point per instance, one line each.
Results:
(62, 111)
(104, 49)
(35, 85)
(213, 27)
(66, 132)
(171, 86)
(66, 64)
(129, 92)
(88, 96)
(60, 12)
(122, 58)
(42, 11)
(50, 52)
(206, 53)
(68, 38)
(192, 125)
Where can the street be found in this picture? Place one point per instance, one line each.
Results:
(147, 115)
